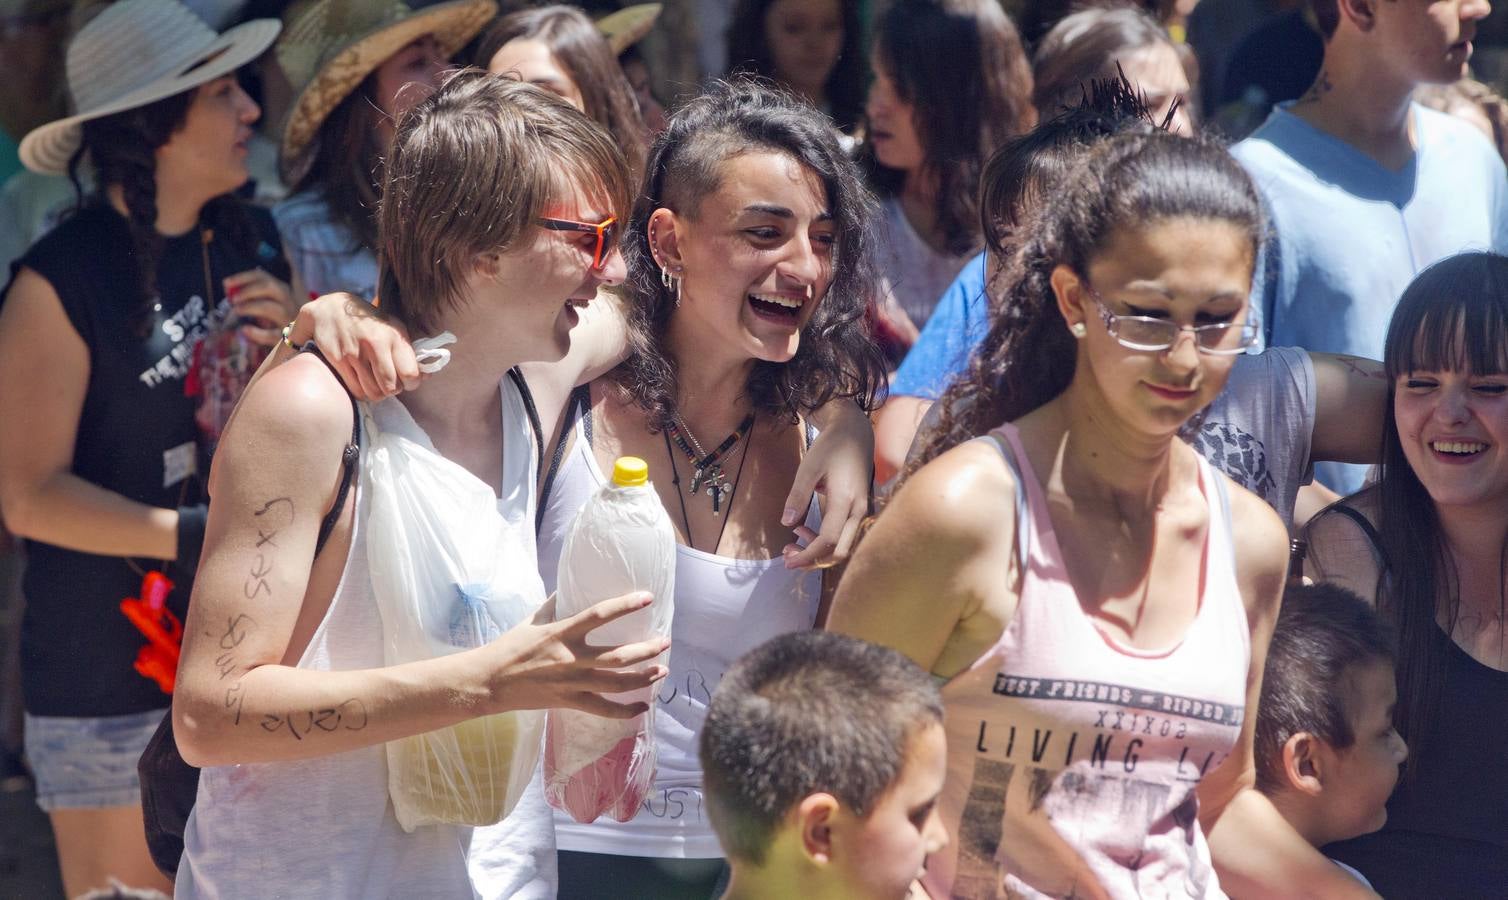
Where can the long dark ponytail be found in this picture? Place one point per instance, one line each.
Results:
(1130, 180)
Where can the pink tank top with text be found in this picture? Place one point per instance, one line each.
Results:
(1072, 757)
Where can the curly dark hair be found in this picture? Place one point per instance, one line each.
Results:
(749, 51)
(961, 66)
(121, 150)
(837, 357)
(1128, 181)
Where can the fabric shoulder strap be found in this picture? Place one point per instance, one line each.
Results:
(533, 411)
(349, 456)
(1222, 496)
(1367, 528)
(999, 441)
(579, 403)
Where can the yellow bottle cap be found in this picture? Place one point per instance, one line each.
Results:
(629, 471)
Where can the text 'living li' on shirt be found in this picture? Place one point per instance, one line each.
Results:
(1065, 745)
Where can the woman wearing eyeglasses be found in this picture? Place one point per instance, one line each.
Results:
(1068, 566)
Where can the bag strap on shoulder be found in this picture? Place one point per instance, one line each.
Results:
(349, 456)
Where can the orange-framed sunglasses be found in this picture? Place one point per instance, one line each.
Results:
(606, 231)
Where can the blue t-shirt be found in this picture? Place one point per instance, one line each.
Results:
(1349, 235)
(958, 323)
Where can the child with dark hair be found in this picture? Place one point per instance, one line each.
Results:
(811, 793)
(1326, 749)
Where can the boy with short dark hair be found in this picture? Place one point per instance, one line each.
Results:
(1327, 753)
(823, 757)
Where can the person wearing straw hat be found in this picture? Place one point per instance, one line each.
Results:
(98, 456)
(559, 49)
(354, 65)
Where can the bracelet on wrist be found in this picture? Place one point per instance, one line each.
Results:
(288, 334)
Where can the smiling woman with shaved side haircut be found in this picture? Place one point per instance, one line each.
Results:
(749, 266)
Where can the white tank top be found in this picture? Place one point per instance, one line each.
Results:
(324, 826)
(724, 607)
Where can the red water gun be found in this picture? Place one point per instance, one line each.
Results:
(158, 660)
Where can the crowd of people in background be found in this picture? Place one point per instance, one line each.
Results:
(1107, 403)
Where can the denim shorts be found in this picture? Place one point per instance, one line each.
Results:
(88, 763)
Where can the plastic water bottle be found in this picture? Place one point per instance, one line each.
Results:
(622, 541)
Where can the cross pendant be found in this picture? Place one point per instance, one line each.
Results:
(717, 490)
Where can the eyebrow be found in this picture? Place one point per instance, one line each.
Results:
(1149, 287)
(782, 212)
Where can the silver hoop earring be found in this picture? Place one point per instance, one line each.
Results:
(1078, 330)
(672, 285)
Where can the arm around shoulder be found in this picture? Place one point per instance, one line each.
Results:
(1351, 395)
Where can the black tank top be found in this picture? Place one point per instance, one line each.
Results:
(136, 437)
(1447, 828)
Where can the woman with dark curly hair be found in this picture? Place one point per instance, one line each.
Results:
(951, 85)
(559, 49)
(1070, 567)
(749, 261)
(814, 48)
(99, 469)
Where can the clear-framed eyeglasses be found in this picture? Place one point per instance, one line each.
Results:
(1149, 335)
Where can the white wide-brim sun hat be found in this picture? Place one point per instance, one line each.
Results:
(133, 54)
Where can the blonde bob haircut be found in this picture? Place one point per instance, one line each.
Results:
(470, 170)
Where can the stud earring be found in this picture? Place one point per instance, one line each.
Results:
(1078, 330)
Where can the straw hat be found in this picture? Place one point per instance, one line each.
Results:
(135, 53)
(628, 25)
(330, 46)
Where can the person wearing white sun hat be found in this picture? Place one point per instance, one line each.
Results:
(355, 66)
(98, 456)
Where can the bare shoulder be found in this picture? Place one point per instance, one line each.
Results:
(966, 495)
(296, 413)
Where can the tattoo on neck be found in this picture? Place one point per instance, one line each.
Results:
(1320, 88)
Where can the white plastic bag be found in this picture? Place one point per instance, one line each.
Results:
(449, 572)
(621, 541)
